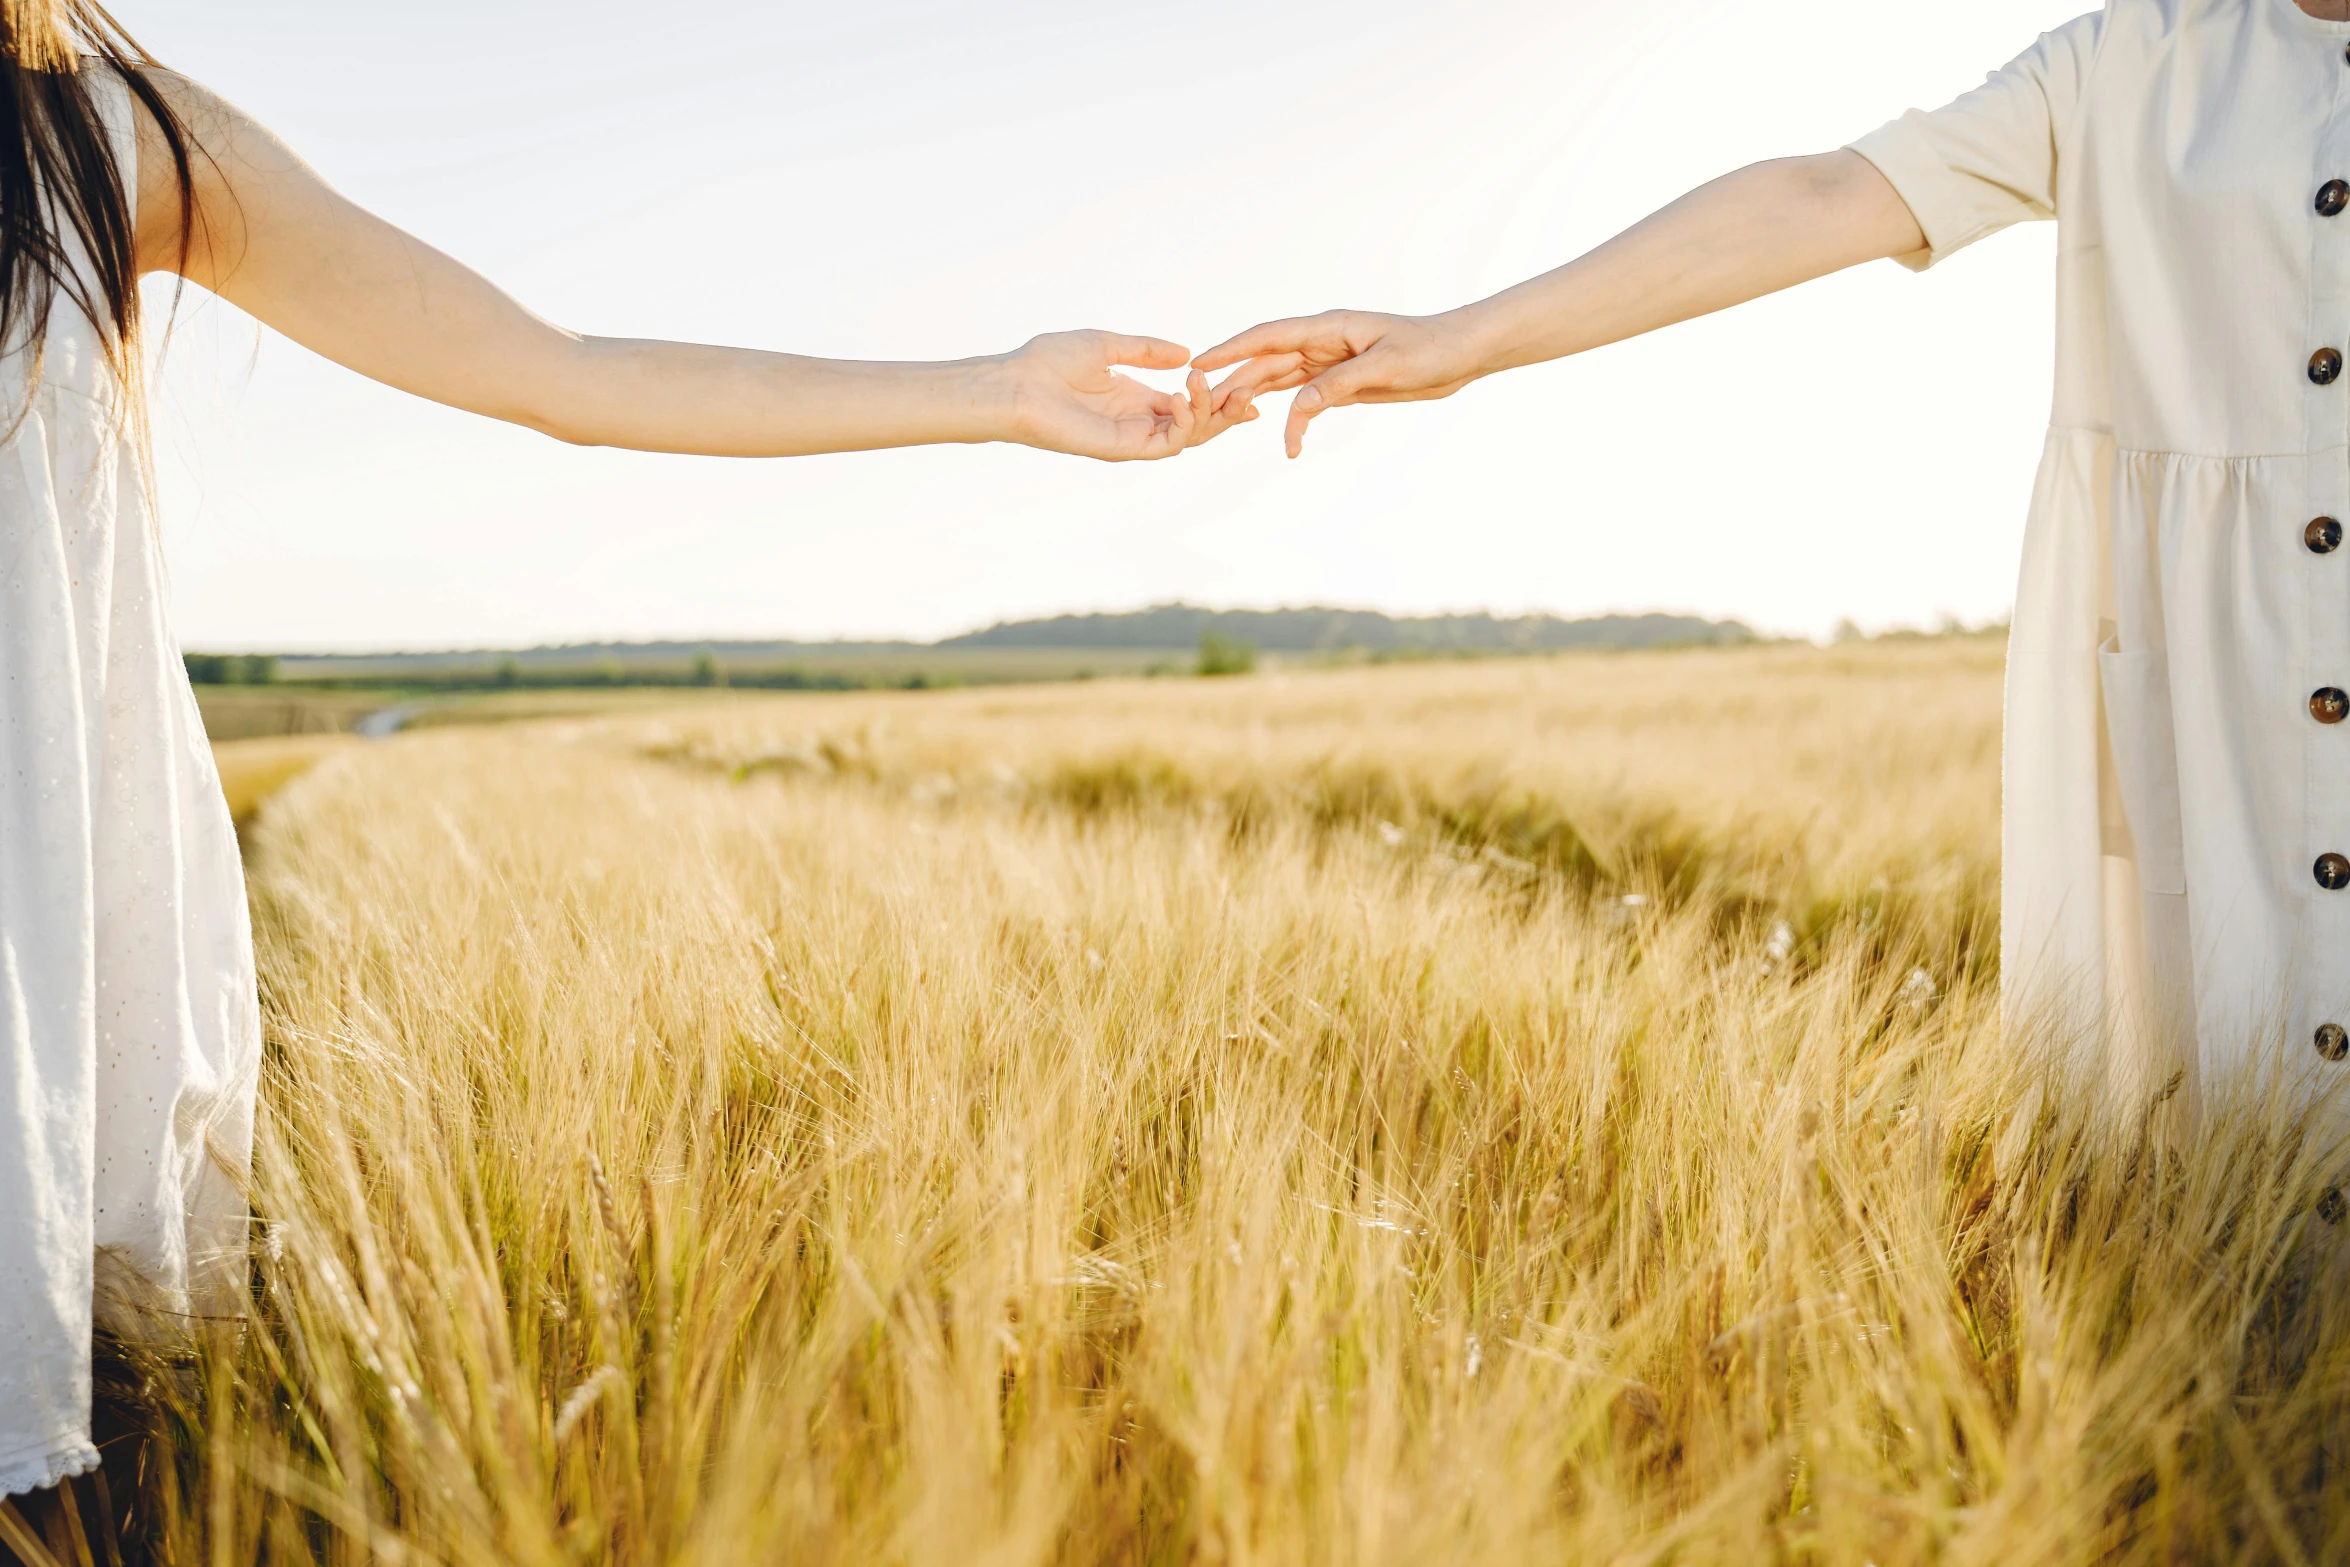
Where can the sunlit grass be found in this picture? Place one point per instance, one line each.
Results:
(1505, 1113)
(253, 770)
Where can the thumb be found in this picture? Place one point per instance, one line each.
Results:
(1333, 388)
(1146, 353)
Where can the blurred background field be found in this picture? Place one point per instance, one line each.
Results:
(245, 695)
(1531, 1110)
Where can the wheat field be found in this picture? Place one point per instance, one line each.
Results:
(1549, 1111)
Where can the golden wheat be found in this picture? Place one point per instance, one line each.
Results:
(252, 770)
(1533, 1112)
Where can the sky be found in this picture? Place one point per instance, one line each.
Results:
(913, 179)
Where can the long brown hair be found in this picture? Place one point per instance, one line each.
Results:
(65, 198)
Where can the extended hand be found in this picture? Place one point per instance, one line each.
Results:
(1067, 398)
(1341, 357)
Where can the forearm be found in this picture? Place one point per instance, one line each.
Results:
(354, 289)
(411, 318)
(276, 240)
(256, 225)
(734, 402)
(1764, 228)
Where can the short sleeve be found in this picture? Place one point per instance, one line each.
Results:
(1989, 159)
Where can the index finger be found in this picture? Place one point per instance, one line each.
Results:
(1144, 353)
(1272, 373)
(1272, 337)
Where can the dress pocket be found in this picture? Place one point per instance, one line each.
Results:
(2145, 761)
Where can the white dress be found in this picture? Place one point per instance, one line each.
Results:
(2177, 776)
(129, 1030)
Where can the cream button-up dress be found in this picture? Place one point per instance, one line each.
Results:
(129, 1031)
(2177, 777)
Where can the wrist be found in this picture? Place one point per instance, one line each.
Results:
(1477, 339)
(986, 394)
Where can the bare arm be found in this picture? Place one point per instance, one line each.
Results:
(280, 243)
(1764, 228)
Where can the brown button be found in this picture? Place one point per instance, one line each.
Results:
(2323, 536)
(2329, 704)
(2330, 1206)
(2332, 872)
(2332, 197)
(2325, 365)
(2333, 1041)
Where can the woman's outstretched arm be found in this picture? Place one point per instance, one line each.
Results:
(276, 240)
(1762, 229)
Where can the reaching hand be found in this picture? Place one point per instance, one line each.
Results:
(1341, 357)
(1066, 398)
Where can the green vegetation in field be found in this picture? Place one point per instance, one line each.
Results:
(1221, 655)
(231, 669)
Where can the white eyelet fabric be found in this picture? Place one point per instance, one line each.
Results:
(129, 1029)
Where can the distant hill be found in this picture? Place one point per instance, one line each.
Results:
(1164, 639)
(1330, 630)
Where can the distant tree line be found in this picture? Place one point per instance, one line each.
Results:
(232, 669)
(1337, 630)
(1226, 642)
(706, 672)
